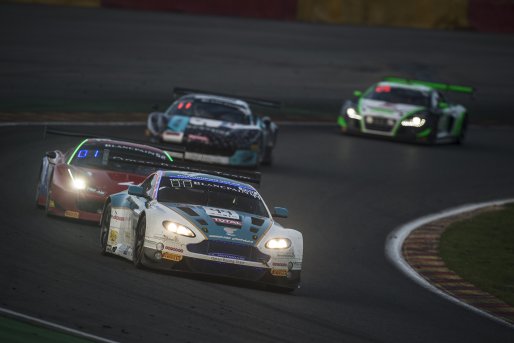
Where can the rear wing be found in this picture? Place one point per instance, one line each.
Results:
(436, 85)
(174, 151)
(179, 91)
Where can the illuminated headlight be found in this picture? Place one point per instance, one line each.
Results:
(352, 113)
(79, 183)
(178, 229)
(278, 243)
(414, 122)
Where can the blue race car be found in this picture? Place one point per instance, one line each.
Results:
(216, 129)
(196, 222)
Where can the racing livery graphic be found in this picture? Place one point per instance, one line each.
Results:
(75, 184)
(205, 224)
(216, 129)
(406, 110)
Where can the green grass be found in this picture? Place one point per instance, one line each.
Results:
(481, 250)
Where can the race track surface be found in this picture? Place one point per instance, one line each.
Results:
(56, 59)
(344, 193)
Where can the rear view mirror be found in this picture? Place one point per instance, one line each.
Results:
(267, 122)
(137, 191)
(280, 212)
(51, 154)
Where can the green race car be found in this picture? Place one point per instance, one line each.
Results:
(405, 109)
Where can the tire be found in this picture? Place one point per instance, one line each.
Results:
(138, 255)
(48, 194)
(38, 184)
(267, 159)
(462, 135)
(104, 228)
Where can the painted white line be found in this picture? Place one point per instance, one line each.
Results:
(394, 243)
(74, 123)
(49, 325)
(137, 123)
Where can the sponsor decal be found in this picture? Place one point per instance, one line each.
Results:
(235, 239)
(173, 249)
(279, 272)
(198, 138)
(225, 221)
(279, 264)
(51, 204)
(219, 212)
(226, 260)
(113, 236)
(171, 257)
(71, 214)
(128, 183)
(116, 217)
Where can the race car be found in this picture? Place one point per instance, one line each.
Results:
(201, 223)
(406, 109)
(216, 129)
(75, 184)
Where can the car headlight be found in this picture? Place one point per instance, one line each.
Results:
(278, 243)
(352, 113)
(414, 121)
(77, 182)
(178, 228)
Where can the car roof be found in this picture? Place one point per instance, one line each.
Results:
(234, 102)
(421, 88)
(113, 141)
(207, 177)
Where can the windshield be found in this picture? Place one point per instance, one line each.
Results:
(399, 95)
(209, 109)
(119, 157)
(210, 192)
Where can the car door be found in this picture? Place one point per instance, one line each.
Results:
(138, 204)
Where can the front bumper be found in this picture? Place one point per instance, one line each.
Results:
(284, 275)
(74, 205)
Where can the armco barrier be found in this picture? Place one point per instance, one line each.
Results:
(492, 15)
(480, 15)
(266, 9)
(439, 14)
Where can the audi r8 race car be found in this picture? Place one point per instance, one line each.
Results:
(202, 223)
(75, 184)
(216, 129)
(407, 110)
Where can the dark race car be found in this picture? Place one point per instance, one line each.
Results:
(75, 184)
(216, 129)
(405, 109)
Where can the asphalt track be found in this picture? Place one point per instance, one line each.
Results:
(344, 193)
(56, 59)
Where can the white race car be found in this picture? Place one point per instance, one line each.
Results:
(202, 223)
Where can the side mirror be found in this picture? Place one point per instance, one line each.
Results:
(267, 122)
(443, 105)
(51, 154)
(280, 212)
(138, 191)
(357, 93)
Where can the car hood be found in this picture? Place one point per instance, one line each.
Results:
(386, 109)
(105, 182)
(224, 225)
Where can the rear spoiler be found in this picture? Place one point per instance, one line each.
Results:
(178, 152)
(436, 85)
(175, 151)
(179, 91)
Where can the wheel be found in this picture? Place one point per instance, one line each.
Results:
(138, 256)
(462, 135)
(37, 186)
(267, 159)
(48, 195)
(104, 228)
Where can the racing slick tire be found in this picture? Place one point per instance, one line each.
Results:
(104, 228)
(462, 135)
(48, 195)
(138, 256)
(267, 159)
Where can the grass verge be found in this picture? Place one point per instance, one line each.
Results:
(481, 250)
